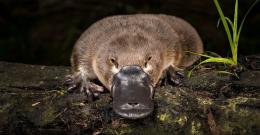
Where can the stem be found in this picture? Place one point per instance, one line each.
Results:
(235, 42)
(235, 54)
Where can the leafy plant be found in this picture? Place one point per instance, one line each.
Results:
(233, 33)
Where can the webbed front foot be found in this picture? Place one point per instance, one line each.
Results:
(76, 84)
(175, 78)
(172, 77)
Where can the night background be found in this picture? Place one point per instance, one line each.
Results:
(44, 31)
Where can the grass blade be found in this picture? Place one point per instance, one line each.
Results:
(235, 26)
(228, 20)
(203, 55)
(218, 60)
(244, 18)
(224, 22)
(213, 54)
(226, 72)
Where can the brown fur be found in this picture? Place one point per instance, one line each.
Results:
(131, 40)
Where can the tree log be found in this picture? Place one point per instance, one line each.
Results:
(33, 100)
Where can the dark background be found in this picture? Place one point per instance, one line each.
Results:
(44, 31)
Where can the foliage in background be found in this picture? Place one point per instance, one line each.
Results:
(233, 33)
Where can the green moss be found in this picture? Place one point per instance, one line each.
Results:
(233, 102)
(163, 117)
(234, 118)
(120, 131)
(181, 120)
(195, 128)
(48, 115)
(204, 101)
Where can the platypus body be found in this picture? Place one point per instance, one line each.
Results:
(128, 54)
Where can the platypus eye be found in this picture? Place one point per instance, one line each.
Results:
(114, 62)
(146, 62)
(114, 67)
(147, 66)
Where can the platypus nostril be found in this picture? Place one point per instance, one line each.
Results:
(133, 104)
(130, 106)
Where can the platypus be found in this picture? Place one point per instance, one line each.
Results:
(129, 54)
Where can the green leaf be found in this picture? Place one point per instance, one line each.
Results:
(213, 54)
(224, 22)
(189, 73)
(203, 55)
(228, 20)
(235, 25)
(226, 72)
(218, 60)
(211, 60)
(244, 18)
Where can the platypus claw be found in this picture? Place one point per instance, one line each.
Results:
(92, 90)
(175, 78)
(88, 88)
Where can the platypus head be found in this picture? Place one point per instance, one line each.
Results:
(130, 67)
(132, 92)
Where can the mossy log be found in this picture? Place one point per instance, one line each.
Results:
(33, 101)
